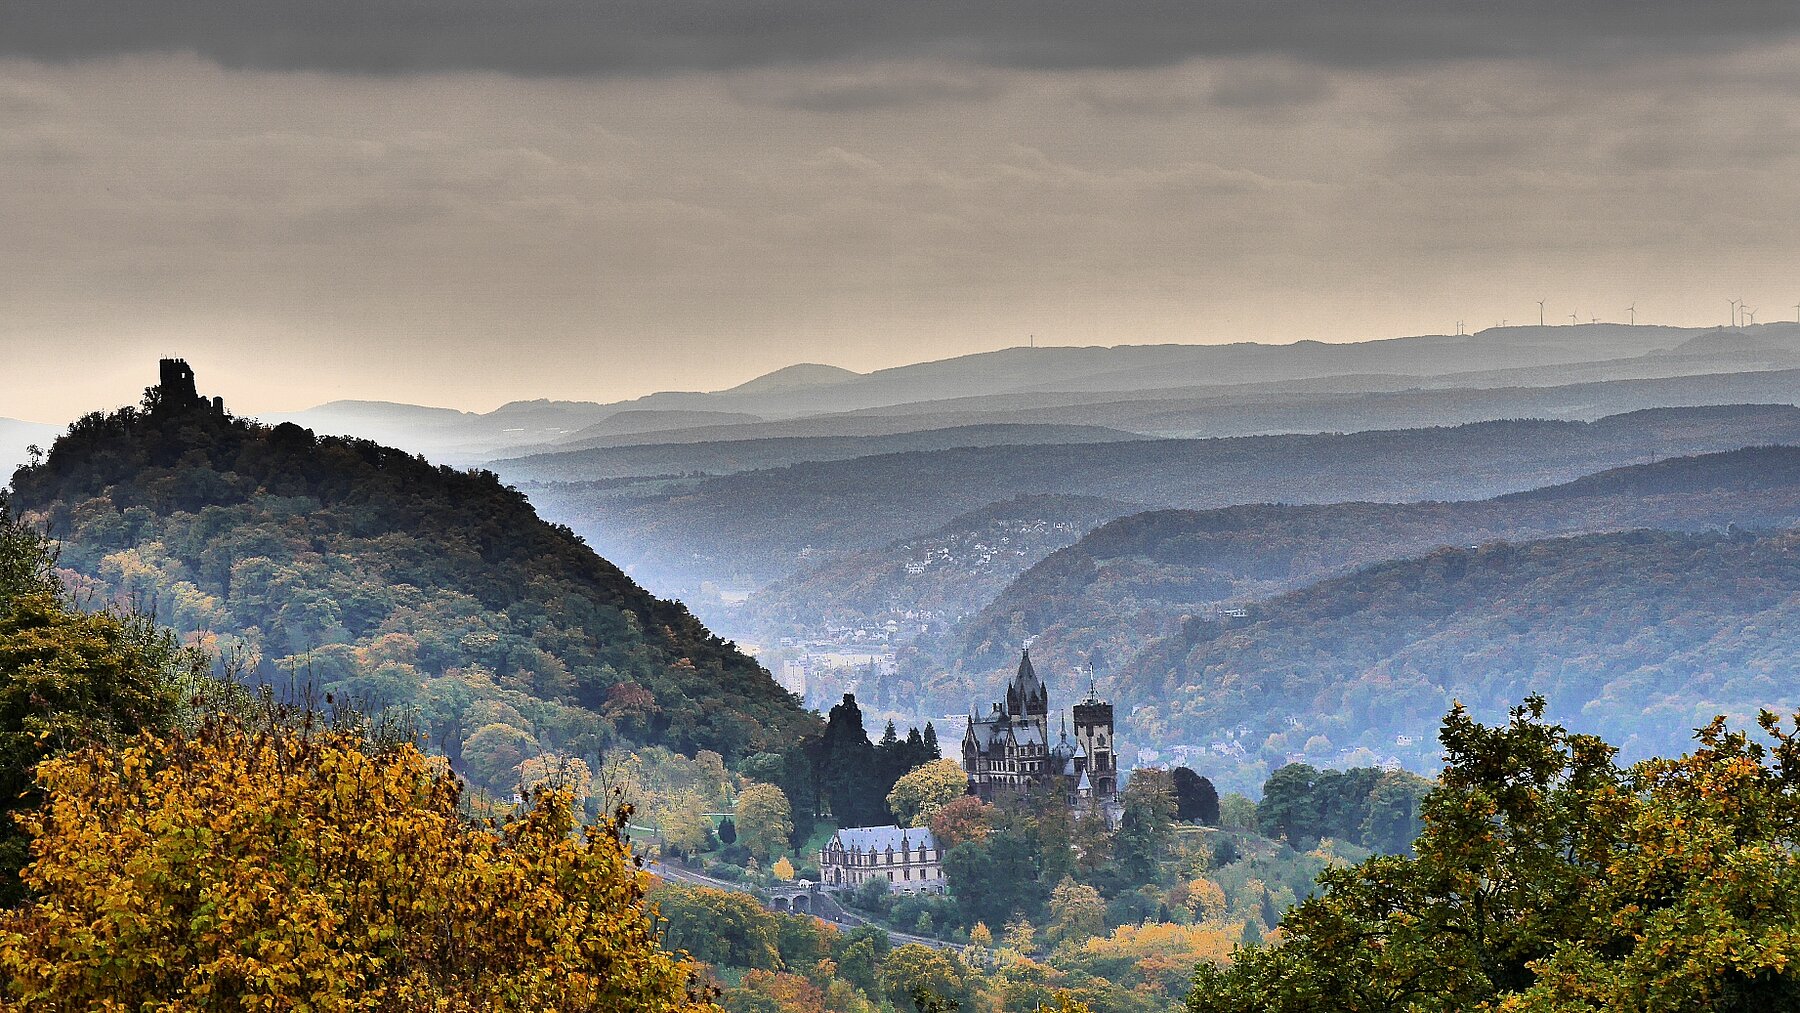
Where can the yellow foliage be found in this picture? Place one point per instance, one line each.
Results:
(1065, 1003)
(231, 869)
(1164, 942)
(782, 869)
(557, 773)
(920, 793)
(1205, 898)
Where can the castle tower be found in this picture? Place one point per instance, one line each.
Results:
(1028, 697)
(1094, 731)
(175, 390)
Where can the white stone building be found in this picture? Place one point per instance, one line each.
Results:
(907, 858)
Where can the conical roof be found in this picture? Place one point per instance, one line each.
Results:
(1026, 694)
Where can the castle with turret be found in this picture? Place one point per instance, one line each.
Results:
(1009, 750)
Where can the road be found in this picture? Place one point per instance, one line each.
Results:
(849, 919)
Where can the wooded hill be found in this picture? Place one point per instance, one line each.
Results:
(370, 574)
(1638, 636)
(1099, 600)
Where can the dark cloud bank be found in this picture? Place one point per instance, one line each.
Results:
(582, 37)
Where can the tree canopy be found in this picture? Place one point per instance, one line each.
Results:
(239, 867)
(1549, 878)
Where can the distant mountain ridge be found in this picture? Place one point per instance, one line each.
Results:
(725, 456)
(742, 527)
(1098, 599)
(1598, 351)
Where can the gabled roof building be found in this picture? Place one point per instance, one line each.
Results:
(907, 858)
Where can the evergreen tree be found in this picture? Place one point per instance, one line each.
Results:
(849, 773)
(1195, 797)
(727, 831)
(915, 749)
(931, 744)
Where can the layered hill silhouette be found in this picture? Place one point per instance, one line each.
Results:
(1207, 390)
(1097, 601)
(370, 574)
(757, 527)
(1639, 636)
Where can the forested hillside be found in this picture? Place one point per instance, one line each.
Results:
(762, 525)
(939, 576)
(1097, 601)
(374, 576)
(1639, 636)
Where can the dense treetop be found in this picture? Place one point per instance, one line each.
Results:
(374, 575)
(1549, 879)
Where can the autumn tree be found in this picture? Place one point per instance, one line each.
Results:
(280, 867)
(1077, 911)
(764, 820)
(925, 790)
(914, 972)
(69, 678)
(775, 992)
(1546, 878)
(719, 926)
(964, 819)
(685, 826)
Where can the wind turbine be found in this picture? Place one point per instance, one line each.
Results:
(1749, 317)
(1734, 305)
(1459, 328)
(1742, 306)
(1572, 320)
(1540, 312)
(1632, 309)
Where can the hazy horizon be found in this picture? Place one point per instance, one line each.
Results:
(593, 203)
(138, 372)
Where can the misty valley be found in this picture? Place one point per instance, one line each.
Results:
(1011, 682)
(693, 506)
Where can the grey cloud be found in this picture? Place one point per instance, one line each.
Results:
(582, 37)
(1253, 86)
(1260, 87)
(867, 89)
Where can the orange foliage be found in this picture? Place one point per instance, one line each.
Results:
(278, 868)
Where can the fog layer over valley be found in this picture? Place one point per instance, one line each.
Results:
(900, 534)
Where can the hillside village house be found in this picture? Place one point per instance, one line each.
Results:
(907, 858)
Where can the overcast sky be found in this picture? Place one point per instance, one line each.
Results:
(466, 203)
